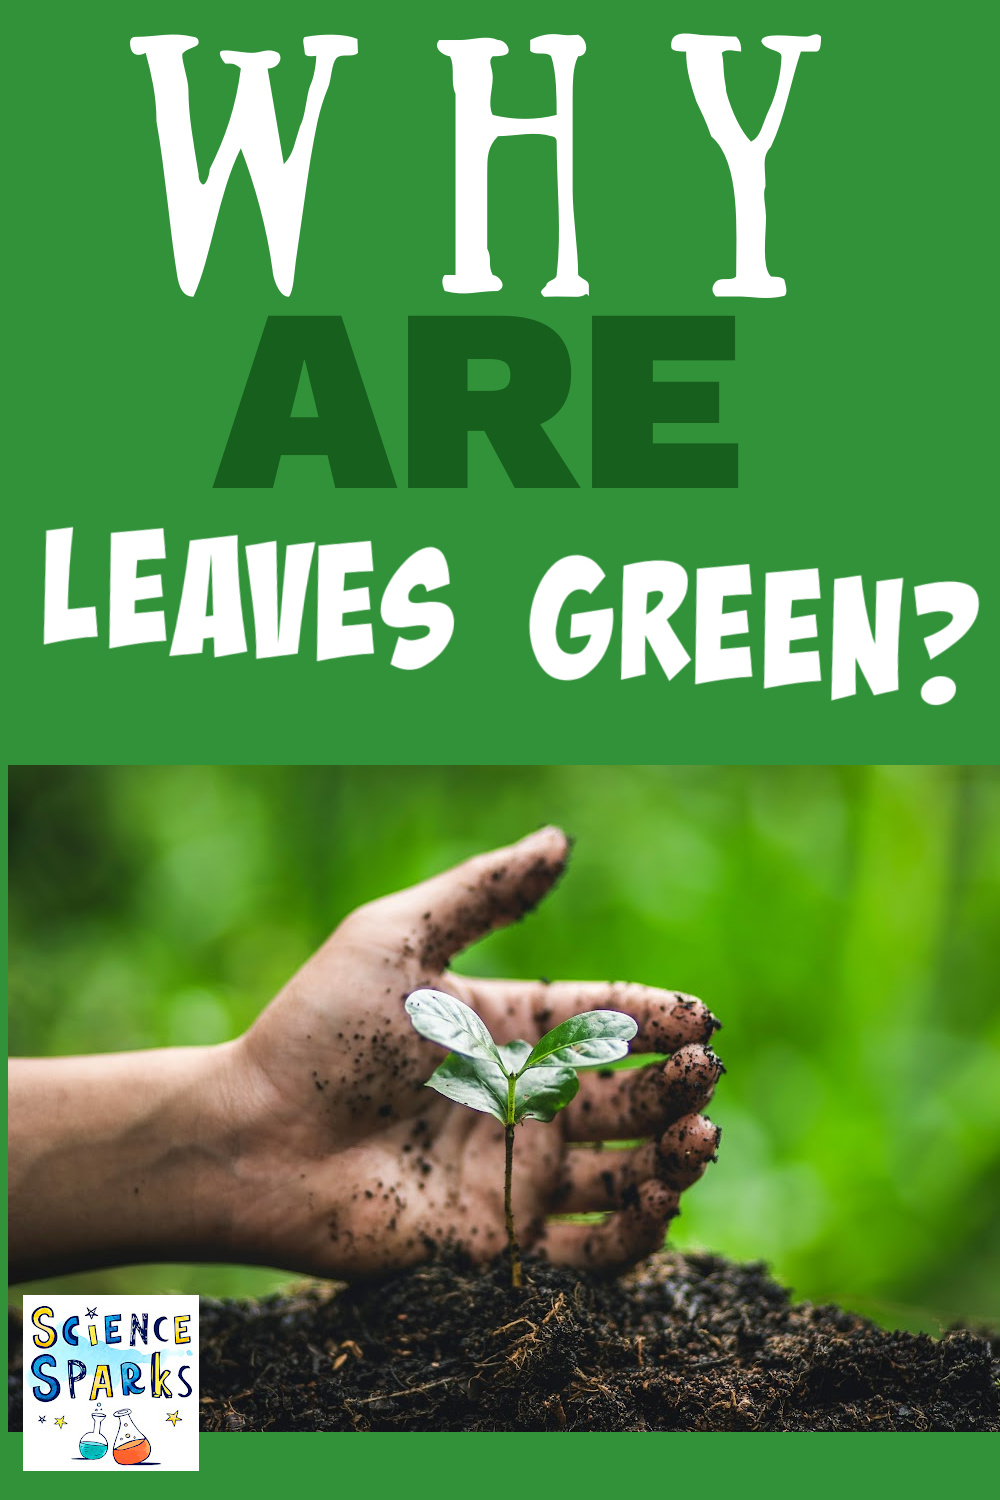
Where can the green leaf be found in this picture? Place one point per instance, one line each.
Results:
(514, 1056)
(443, 1019)
(478, 1084)
(541, 1092)
(468, 1080)
(589, 1040)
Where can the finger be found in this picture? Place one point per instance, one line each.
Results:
(617, 1106)
(445, 914)
(622, 1239)
(595, 1181)
(666, 1019)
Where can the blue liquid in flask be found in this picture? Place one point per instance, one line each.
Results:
(94, 1444)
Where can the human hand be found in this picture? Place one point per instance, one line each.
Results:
(352, 1168)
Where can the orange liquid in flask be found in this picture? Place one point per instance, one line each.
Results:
(133, 1452)
(131, 1445)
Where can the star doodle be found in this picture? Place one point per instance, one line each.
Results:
(91, 1312)
(60, 1421)
(41, 1419)
(173, 1418)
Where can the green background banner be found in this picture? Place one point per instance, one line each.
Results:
(422, 1462)
(859, 402)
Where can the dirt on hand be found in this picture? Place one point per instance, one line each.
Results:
(685, 1343)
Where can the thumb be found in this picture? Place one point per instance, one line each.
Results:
(443, 915)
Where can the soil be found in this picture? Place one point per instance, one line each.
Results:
(691, 1343)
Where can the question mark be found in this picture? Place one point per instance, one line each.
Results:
(959, 600)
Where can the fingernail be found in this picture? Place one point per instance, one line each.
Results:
(547, 828)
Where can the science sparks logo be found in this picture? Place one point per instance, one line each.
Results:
(110, 1383)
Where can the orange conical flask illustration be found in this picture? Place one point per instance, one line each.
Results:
(131, 1445)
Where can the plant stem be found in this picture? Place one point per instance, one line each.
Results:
(508, 1213)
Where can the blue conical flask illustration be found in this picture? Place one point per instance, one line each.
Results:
(94, 1444)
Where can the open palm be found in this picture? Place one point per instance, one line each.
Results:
(355, 1167)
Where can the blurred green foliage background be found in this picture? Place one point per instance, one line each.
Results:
(843, 922)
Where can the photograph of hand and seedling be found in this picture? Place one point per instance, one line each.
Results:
(430, 1109)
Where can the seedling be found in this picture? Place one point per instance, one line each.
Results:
(518, 1081)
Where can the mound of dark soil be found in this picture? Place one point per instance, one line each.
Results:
(687, 1342)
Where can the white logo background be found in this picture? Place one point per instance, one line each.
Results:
(117, 1401)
